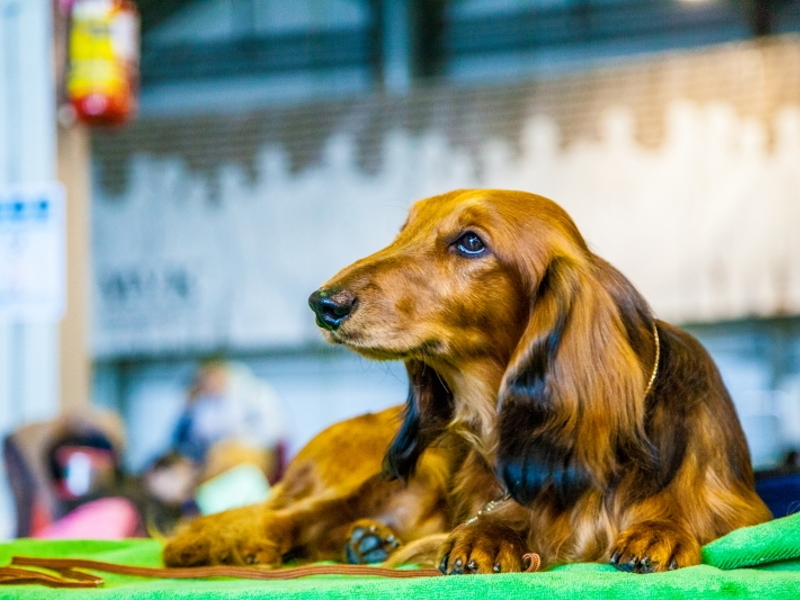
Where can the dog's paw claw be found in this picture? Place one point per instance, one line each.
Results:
(653, 547)
(370, 542)
(482, 548)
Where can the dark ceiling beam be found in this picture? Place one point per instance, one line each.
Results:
(155, 12)
(762, 17)
(425, 25)
(256, 55)
(589, 22)
(429, 26)
(438, 40)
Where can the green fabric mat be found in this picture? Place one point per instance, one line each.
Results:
(761, 562)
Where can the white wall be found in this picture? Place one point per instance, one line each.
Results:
(29, 380)
(705, 225)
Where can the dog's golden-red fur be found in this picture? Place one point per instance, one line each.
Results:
(332, 496)
(531, 365)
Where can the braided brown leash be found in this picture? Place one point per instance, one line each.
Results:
(69, 577)
(25, 570)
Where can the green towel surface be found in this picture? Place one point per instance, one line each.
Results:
(761, 562)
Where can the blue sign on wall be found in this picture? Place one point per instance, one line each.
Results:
(32, 253)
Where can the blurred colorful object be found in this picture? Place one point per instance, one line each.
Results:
(102, 85)
(53, 467)
(111, 518)
(235, 487)
(83, 470)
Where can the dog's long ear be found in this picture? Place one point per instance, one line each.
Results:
(572, 393)
(428, 411)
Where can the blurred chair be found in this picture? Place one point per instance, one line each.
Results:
(57, 466)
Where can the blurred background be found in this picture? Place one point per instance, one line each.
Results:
(173, 224)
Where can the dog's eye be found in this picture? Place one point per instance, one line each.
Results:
(469, 244)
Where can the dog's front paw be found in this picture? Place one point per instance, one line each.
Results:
(654, 547)
(369, 542)
(234, 537)
(482, 547)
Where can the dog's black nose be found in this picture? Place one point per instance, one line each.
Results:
(331, 308)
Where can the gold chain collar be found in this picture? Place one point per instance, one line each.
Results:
(655, 365)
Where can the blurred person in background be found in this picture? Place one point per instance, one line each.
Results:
(232, 417)
(228, 446)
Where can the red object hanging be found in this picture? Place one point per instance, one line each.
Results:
(102, 86)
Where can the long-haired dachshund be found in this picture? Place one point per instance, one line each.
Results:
(549, 411)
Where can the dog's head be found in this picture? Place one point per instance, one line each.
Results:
(498, 289)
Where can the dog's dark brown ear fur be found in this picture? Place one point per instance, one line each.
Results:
(573, 388)
(429, 409)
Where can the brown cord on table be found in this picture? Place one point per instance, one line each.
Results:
(69, 577)
(65, 567)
